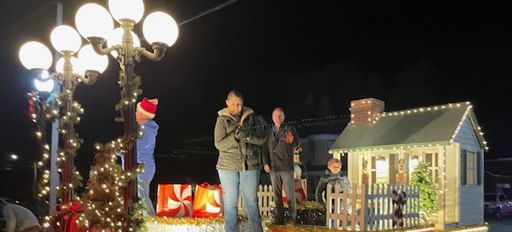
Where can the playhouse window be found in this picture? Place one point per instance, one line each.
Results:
(432, 160)
(470, 168)
(381, 170)
(470, 165)
(413, 163)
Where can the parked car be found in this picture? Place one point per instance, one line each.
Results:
(499, 204)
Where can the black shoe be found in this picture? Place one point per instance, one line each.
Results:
(279, 221)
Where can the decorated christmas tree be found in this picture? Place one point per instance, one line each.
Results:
(103, 203)
(428, 195)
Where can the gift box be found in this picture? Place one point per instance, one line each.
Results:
(174, 200)
(300, 194)
(207, 201)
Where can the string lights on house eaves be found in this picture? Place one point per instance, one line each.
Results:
(422, 110)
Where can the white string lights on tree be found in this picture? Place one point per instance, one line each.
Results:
(104, 201)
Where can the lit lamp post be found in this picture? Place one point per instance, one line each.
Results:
(160, 30)
(70, 71)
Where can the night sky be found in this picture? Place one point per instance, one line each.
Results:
(281, 52)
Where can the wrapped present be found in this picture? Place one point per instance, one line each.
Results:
(207, 201)
(300, 194)
(174, 200)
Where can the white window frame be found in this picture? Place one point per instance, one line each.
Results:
(471, 168)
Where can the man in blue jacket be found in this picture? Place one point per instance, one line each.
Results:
(146, 110)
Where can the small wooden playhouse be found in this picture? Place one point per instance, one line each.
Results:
(385, 147)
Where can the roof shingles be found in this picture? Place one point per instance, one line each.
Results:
(437, 124)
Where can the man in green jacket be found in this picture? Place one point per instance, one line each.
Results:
(238, 137)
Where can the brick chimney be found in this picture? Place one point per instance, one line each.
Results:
(364, 111)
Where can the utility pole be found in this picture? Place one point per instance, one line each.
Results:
(54, 175)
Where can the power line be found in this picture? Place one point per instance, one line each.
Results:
(216, 8)
(34, 14)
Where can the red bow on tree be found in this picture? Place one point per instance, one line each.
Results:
(68, 216)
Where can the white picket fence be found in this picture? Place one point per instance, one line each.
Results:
(265, 199)
(370, 208)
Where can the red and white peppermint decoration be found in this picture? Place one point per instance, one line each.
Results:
(174, 200)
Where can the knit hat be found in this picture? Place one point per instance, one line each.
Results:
(148, 107)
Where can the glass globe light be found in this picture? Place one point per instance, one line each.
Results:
(93, 20)
(35, 55)
(90, 60)
(160, 27)
(45, 85)
(126, 9)
(65, 38)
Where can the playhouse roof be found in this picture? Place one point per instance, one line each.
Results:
(412, 127)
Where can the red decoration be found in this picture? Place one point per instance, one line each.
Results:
(399, 200)
(174, 200)
(288, 137)
(207, 201)
(68, 215)
(300, 194)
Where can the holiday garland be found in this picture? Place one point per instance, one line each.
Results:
(36, 110)
(68, 118)
(129, 92)
(42, 112)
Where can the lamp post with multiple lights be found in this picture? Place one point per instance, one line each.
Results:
(95, 24)
(78, 64)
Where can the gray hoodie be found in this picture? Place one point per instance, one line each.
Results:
(239, 140)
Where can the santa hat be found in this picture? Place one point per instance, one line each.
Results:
(147, 107)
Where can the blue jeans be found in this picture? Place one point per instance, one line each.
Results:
(143, 192)
(248, 182)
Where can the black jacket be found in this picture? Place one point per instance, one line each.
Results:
(333, 179)
(276, 152)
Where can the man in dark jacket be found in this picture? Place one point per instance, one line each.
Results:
(278, 161)
(238, 137)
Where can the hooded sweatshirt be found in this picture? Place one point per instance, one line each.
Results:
(146, 148)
